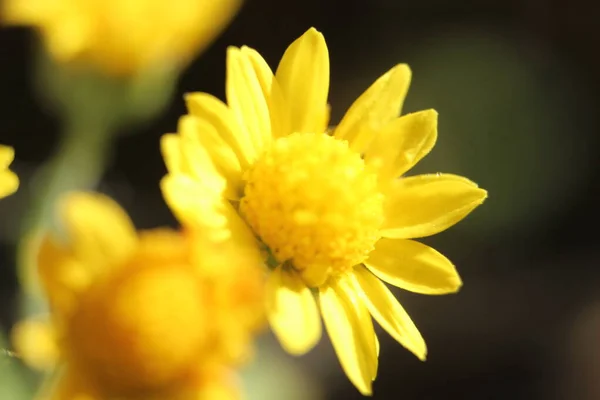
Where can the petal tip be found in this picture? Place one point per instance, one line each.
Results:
(457, 283)
(313, 31)
(368, 392)
(430, 114)
(190, 97)
(314, 36)
(420, 351)
(232, 51)
(403, 69)
(483, 193)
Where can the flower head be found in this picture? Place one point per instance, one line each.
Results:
(330, 208)
(124, 36)
(9, 182)
(140, 314)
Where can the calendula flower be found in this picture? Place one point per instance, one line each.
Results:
(330, 208)
(9, 182)
(123, 37)
(140, 316)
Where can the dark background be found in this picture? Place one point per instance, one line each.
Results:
(516, 84)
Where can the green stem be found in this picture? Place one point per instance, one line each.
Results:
(78, 164)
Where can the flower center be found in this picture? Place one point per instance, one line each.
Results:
(312, 202)
(140, 330)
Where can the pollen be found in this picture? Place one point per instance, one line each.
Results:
(141, 330)
(312, 202)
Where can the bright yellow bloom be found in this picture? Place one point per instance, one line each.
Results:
(140, 316)
(9, 182)
(330, 208)
(124, 36)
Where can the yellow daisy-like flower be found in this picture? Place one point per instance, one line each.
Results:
(330, 208)
(140, 316)
(9, 182)
(124, 36)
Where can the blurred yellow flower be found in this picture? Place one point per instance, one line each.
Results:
(326, 206)
(9, 182)
(140, 316)
(123, 37)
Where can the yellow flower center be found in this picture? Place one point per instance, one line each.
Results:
(311, 200)
(141, 330)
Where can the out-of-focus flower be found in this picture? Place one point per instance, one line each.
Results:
(123, 37)
(140, 316)
(9, 182)
(326, 206)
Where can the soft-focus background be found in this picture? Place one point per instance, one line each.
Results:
(516, 84)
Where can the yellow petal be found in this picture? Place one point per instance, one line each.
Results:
(303, 74)
(352, 340)
(424, 205)
(170, 147)
(292, 312)
(375, 108)
(278, 108)
(212, 18)
(246, 99)
(209, 159)
(9, 183)
(389, 313)
(401, 144)
(99, 231)
(347, 289)
(216, 113)
(7, 155)
(197, 208)
(35, 342)
(413, 266)
(194, 204)
(62, 276)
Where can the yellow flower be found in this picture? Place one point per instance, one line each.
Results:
(140, 316)
(330, 208)
(9, 182)
(124, 36)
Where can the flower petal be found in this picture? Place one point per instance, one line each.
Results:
(401, 144)
(389, 313)
(197, 159)
(199, 209)
(36, 343)
(352, 340)
(303, 74)
(170, 147)
(215, 112)
(62, 276)
(246, 99)
(375, 108)
(424, 205)
(7, 155)
(9, 183)
(194, 205)
(347, 288)
(292, 312)
(209, 158)
(278, 108)
(413, 266)
(98, 230)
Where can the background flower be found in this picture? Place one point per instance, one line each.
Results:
(138, 315)
(123, 37)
